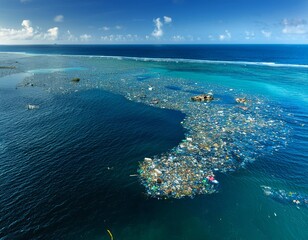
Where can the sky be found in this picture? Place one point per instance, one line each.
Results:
(153, 21)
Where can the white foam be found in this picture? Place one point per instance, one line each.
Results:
(53, 70)
(174, 60)
(181, 60)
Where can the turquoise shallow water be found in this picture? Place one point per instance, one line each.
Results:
(65, 167)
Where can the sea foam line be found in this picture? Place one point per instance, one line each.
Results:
(173, 60)
(183, 60)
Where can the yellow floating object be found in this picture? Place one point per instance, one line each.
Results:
(110, 234)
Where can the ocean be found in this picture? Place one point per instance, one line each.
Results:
(73, 167)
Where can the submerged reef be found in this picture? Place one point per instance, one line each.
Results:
(225, 128)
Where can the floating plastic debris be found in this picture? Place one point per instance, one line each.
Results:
(32, 107)
(283, 196)
(203, 97)
(222, 134)
(241, 100)
(110, 234)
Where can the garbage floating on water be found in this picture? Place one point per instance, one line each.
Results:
(283, 196)
(175, 179)
(220, 136)
(241, 100)
(110, 234)
(203, 97)
(32, 107)
(155, 101)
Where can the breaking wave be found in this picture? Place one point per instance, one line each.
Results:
(177, 60)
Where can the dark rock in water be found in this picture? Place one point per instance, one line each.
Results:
(202, 98)
(76, 80)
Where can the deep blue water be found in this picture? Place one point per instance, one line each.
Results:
(65, 168)
(88, 163)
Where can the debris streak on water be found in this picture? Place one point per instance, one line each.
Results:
(66, 165)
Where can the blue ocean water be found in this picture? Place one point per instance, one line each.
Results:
(65, 168)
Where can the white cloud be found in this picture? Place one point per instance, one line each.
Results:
(52, 34)
(132, 37)
(105, 28)
(85, 37)
(25, 1)
(225, 36)
(266, 34)
(292, 26)
(249, 35)
(25, 33)
(158, 31)
(70, 37)
(178, 38)
(59, 18)
(120, 38)
(26, 24)
(167, 19)
(222, 37)
(110, 37)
